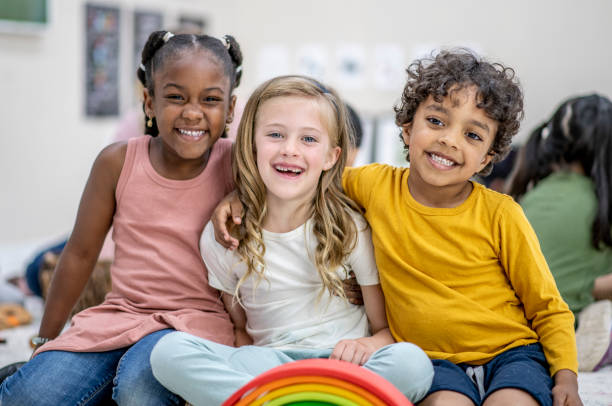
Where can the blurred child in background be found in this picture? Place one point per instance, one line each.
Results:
(564, 183)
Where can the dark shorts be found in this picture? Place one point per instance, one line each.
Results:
(522, 368)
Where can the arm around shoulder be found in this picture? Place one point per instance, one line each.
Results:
(359, 183)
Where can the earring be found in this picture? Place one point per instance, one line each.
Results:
(227, 130)
(150, 122)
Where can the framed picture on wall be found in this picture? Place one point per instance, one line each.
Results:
(145, 22)
(102, 61)
(24, 16)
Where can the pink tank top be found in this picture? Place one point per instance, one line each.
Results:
(159, 278)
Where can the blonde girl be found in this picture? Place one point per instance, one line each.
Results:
(300, 237)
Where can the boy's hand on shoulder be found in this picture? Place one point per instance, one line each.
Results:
(565, 391)
(355, 351)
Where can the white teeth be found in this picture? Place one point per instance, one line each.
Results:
(283, 169)
(191, 133)
(441, 160)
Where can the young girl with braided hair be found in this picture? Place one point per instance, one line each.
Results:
(157, 192)
(283, 286)
(564, 183)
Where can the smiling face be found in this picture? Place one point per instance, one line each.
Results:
(448, 143)
(293, 148)
(191, 104)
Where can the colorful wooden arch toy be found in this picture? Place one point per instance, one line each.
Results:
(313, 382)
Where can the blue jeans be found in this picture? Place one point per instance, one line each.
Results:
(89, 378)
(206, 373)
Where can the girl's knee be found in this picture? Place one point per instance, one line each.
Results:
(16, 390)
(143, 391)
(168, 349)
(135, 383)
(40, 384)
(406, 366)
(176, 351)
(406, 357)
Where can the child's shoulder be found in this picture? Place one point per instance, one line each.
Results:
(493, 195)
(498, 203)
(113, 155)
(376, 171)
(359, 220)
(377, 167)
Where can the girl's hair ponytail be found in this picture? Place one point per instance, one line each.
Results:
(233, 49)
(529, 167)
(144, 72)
(580, 131)
(601, 173)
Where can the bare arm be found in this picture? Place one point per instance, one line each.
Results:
(78, 258)
(359, 351)
(602, 289)
(238, 317)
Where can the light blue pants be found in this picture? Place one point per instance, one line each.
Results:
(205, 373)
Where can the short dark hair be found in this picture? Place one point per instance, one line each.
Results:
(499, 92)
(356, 124)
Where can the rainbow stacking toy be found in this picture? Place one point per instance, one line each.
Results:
(318, 382)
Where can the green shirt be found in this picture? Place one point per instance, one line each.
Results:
(561, 209)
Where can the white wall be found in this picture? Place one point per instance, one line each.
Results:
(47, 145)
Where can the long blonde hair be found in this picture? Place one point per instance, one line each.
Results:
(333, 226)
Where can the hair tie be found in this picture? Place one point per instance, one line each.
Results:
(565, 122)
(226, 42)
(167, 36)
(142, 68)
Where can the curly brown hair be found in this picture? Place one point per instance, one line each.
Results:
(499, 92)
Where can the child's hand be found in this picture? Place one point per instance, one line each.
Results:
(228, 208)
(352, 290)
(565, 391)
(354, 351)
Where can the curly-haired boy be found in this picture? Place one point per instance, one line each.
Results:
(460, 266)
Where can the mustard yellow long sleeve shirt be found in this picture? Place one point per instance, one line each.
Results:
(464, 283)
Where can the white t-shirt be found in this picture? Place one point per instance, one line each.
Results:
(285, 310)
